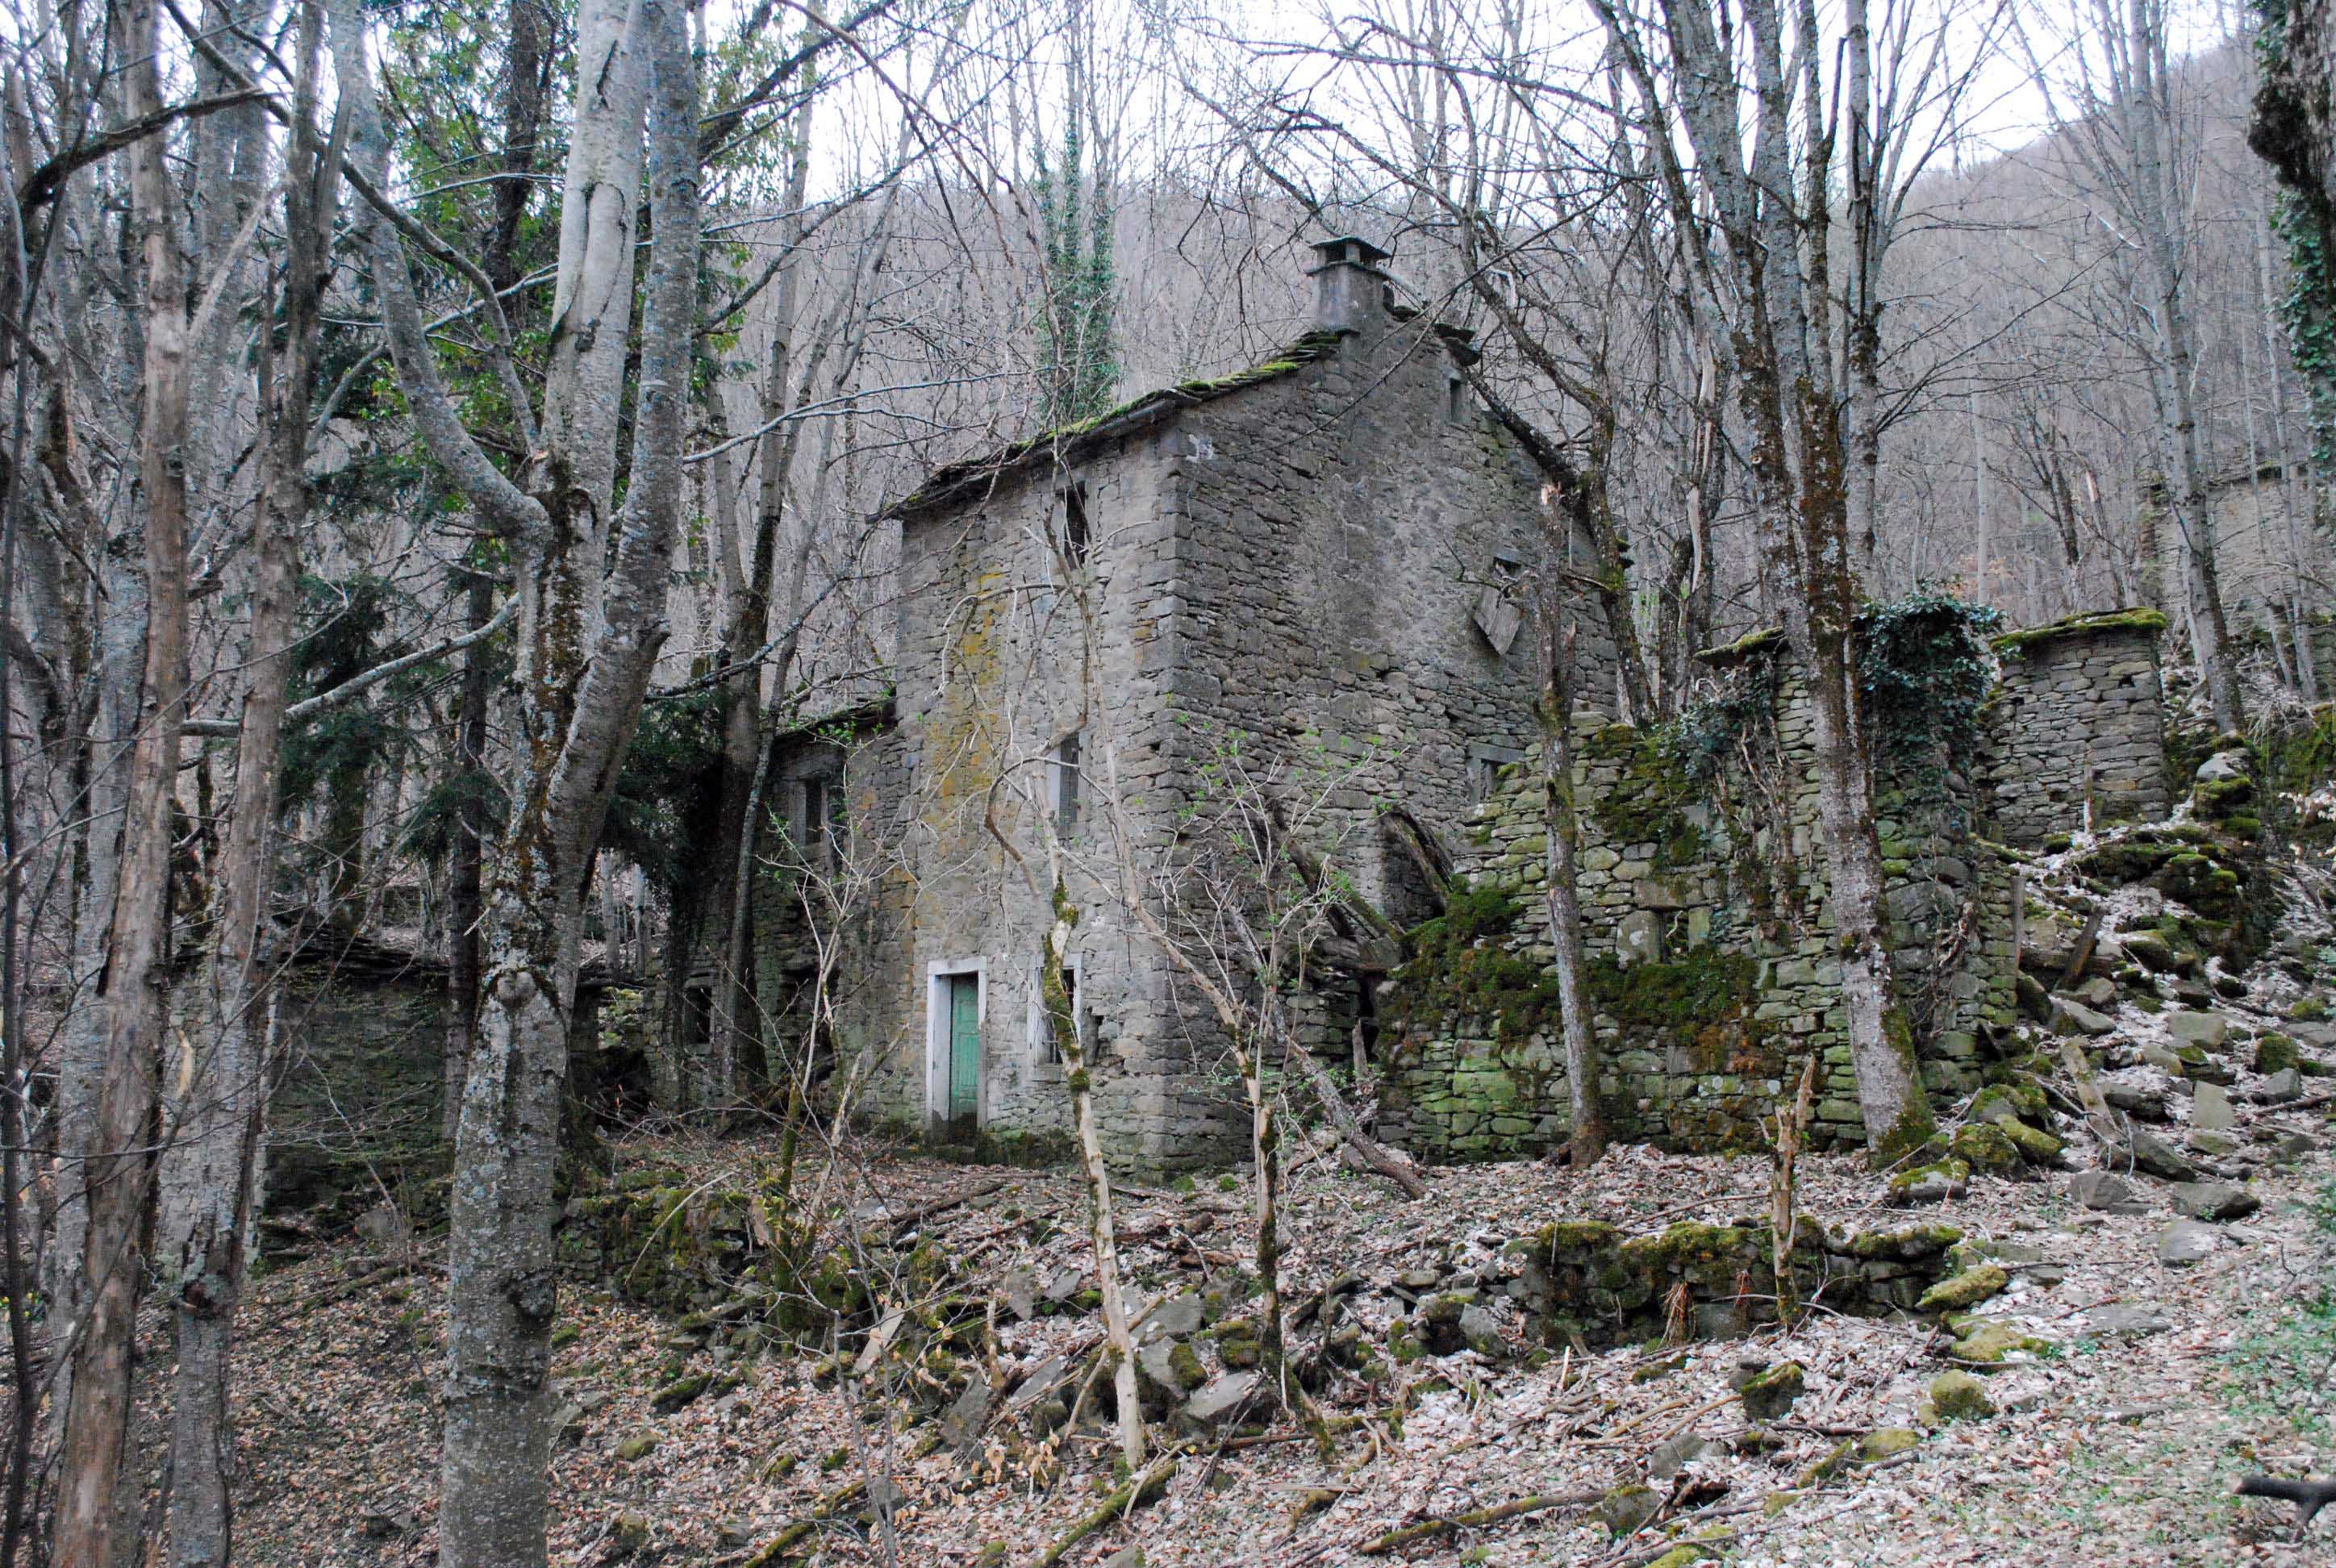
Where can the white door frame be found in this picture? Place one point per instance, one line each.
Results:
(938, 973)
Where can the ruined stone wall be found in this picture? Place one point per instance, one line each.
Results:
(1703, 910)
(2075, 732)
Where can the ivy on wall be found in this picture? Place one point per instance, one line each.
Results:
(2282, 133)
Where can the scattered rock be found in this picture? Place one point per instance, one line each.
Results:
(2209, 1030)
(1220, 1399)
(628, 1534)
(2294, 1146)
(1482, 1332)
(2074, 1016)
(1172, 1364)
(2210, 1108)
(2142, 1104)
(1959, 1397)
(962, 1422)
(1988, 1341)
(1125, 1557)
(1887, 1443)
(2154, 1055)
(2036, 1147)
(2124, 1322)
(1019, 1290)
(2275, 1053)
(1964, 1290)
(1437, 1322)
(1769, 1396)
(1674, 1455)
(1178, 1317)
(1625, 1509)
(2105, 1191)
(2282, 1086)
(2214, 1200)
(2156, 1156)
(1984, 1147)
(638, 1446)
(1949, 1178)
(2185, 1242)
(2215, 1145)
(2150, 950)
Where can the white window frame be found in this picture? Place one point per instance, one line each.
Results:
(938, 974)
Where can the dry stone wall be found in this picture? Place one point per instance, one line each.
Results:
(1705, 919)
(2076, 729)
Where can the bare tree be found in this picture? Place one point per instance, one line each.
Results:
(2124, 137)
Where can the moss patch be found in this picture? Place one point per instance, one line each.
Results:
(1459, 966)
(2017, 644)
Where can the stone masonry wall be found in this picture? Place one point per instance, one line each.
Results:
(1703, 910)
(2076, 729)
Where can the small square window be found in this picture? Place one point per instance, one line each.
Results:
(1066, 784)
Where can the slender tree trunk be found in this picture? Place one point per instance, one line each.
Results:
(135, 992)
(1265, 1163)
(579, 703)
(213, 1108)
(1119, 1340)
(1587, 1134)
(462, 876)
(1783, 1221)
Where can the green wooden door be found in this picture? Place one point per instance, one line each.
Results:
(964, 1108)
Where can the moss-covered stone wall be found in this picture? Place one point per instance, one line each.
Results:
(1713, 975)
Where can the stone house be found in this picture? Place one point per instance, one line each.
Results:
(1316, 565)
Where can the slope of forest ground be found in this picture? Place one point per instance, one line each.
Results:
(2118, 1435)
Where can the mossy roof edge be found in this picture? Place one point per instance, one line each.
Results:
(1768, 639)
(2136, 617)
(1067, 442)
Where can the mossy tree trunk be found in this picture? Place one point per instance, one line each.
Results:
(1561, 828)
(1796, 320)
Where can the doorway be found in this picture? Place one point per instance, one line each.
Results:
(953, 1052)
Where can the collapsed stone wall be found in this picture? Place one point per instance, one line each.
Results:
(2075, 737)
(1710, 946)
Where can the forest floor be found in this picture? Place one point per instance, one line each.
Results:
(2117, 1437)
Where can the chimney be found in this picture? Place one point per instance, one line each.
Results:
(1349, 289)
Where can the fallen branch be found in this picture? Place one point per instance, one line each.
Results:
(1371, 1152)
(2309, 1496)
(914, 1217)
(771, 1550)
(1431, 1529)
(1146, 1488)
